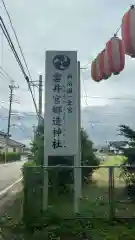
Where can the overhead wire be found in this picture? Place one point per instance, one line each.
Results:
(1, 47)
(9, 78)
(110, 98)
(6, 34)
(6, 73)
(16, 37)
(115, 34)
(85, 97)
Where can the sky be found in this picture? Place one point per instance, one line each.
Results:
(79, 25)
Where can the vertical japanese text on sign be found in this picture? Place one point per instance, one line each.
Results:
(61, 109)
(57, 110)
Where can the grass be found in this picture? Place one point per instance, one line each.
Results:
(94, 204)
(95, 200)
(94, 229)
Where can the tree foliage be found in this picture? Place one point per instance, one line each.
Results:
(128, 133)
(87, 156)
(128, 172)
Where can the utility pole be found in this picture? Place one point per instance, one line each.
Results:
(11, 88)
(38, 84)
(40, 101)
(34, 132)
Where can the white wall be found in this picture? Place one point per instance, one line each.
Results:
(17, 149)
(10, 149)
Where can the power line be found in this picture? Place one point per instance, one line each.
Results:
(115, 34)
(2, 48)
(86, 65)
(110, 98)
(10, 79)
(3, 76)
(16, 38)
(6, 34)
(10, 20)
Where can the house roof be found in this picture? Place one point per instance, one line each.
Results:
(3, 134)
(13, 143)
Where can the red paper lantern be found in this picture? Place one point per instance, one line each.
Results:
(104, 65)
(116, 55)
(95, 70)
(128, 31)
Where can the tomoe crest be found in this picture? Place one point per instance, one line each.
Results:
(61, 62)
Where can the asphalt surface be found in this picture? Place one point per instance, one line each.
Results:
(101, 156)
(9, 174)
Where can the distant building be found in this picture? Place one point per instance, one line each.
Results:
(118, 146)
(27, 150)
(12, 145)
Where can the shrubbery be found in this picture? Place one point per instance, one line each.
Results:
(66, 175)
(128, 169)
(10, 157)
(32, 189)
(60, 179)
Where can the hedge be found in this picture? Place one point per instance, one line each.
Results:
(32, 191)
(33, 176)
(10, 157)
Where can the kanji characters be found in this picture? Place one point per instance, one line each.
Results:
(69, 93)
(69, 109)
(57, 132)
(57, 77)
(57, 109)
(57, 99)
(56, 143)
(62, 88)
(57, 88)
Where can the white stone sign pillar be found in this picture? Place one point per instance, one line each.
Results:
(62, 112)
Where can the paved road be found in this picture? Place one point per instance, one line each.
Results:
(10, 173)
(102, 156)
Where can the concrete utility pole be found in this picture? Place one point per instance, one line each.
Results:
(38, 84)
(40, 101)
(34, 132)
(11, 88)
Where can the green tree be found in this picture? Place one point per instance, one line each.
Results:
(129, 134)
(128, 171)
(66, 175)
(60, 179)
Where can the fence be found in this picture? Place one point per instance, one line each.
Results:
(103, 196)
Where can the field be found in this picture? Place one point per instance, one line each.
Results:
(95, 201)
